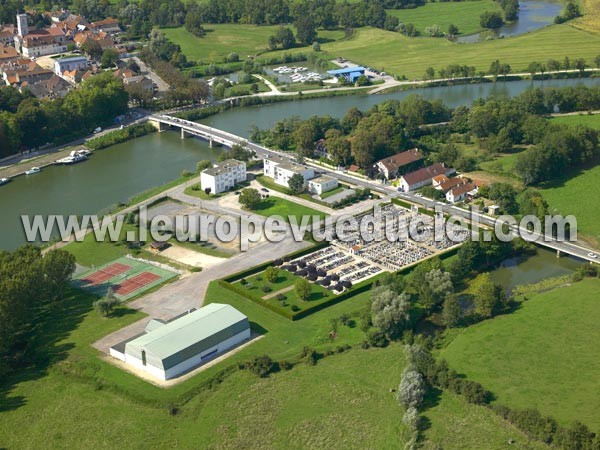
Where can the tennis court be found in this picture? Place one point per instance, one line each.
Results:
(135, 283)
(102, 275)
(126, 277)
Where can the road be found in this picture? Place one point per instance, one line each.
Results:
(227, 138)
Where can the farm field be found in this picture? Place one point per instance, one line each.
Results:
(561, 196)
(401, 55)
(587, 120)
(465, 15)
(539, 356)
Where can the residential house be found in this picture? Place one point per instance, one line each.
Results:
(461, 193)
(400, 163)
(51, 88)
(438, 180)
(223, 176)
(7, 37)
(322, 184)
(24, 70)
(37, 43)
(108, 25)
(281, 170)
(8, 54)
(451, 183)
(423, 177)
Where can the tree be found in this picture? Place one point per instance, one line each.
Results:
(429, 73)
(58, 266)
(249, 198)
(580, 65)
(390, 312)
(201, 165)
(306, 32)
(337, 147)
(271, 273)
(452, 30)
(92, 48)
(438, 285)
(451, 311)
(316, 46)
(304, 138)
(553, 65)
(533, 67)
(109, 58)
(193, 20)
(285, 37)
(411, 389)
(597, 61)
(106, 305)
(489, 296)
(491, 20)
(303, 289)
(296, 183)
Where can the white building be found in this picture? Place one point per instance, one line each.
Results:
(281, 170)
(223, 176)
(47, 41)
(462, 192)
(322, 184)
(69, 64)
(167, 350)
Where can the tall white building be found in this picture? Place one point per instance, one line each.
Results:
(223, 176)
(281, 170)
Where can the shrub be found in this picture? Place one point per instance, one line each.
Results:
(261, 366)
(280, 297)
(266, 289)
(377, 339)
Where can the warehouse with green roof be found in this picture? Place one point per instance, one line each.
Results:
(169, 349)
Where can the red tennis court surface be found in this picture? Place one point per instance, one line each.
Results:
(135, 283)
(106, 273)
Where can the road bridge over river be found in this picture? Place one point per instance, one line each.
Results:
(215, 136)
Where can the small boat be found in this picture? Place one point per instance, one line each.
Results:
(33, 171)
(4, 181)
(75, 157)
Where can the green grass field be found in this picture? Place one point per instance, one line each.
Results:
(587, 120)
(80, 401)
(282, 207)
(465, 15)
(580, 196)
(400, 55)
(223, 39)
(541, 356)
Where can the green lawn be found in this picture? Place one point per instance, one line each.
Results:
(465, 15)
(399, 54)
(282, 207)
(580, 196)
(501, 164)
(541, 356)
(587, 120)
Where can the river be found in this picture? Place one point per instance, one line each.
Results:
(117, 173)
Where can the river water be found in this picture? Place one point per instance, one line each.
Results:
(117, 173)
(533, 15)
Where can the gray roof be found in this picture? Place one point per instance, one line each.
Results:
(175, 342)
(323, 179)
(222, 166)
(71, 59)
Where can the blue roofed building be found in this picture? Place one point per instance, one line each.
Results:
(349, 73)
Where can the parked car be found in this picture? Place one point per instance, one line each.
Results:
(592, 255)
(264, 190)
(97, 130)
